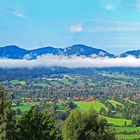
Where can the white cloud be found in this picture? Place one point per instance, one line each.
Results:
(8, 8)
(109, 7)
(18, 14)
(70, 62)
(76, 28)
(108, 4)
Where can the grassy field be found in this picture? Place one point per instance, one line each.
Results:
(115, 103)
(128, 137)
(127, 133)
(54, 83)
(116, 75)
(64, 82)
(16, 82)
(132, 102)
(87, 105)
(25, 106)
(118, 122)
(127, 129)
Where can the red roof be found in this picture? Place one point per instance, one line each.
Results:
(91, 100)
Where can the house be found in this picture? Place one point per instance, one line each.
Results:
(90, 100)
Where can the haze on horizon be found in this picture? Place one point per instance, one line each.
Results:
(112, 25)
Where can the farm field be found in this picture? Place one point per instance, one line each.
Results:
(127, 133)
(115, 103)
(16, 82)
(25, 106)
(87, 105)
(116, 75)
(64, 82)
(128, 137)
(80, 105)
(127, 129)
(132, 102)
(118, 122)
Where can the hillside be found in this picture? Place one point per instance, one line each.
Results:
(15, 52)
(135, 53)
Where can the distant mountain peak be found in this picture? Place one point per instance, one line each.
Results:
(80, 49)
(15, 52)
(11, 46)
(12, 51)
(135, 53)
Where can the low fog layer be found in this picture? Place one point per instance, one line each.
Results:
(70, 62)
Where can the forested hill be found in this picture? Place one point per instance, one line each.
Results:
(15, 52)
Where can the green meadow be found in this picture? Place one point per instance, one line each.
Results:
(128, 137)
(87, 105)
(25, 106)
(115, 103)
(16, 82)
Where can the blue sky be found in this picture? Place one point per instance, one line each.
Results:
(113, 25)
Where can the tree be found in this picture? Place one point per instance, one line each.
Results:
(136, 120)
(138, 123)
(7, 117)
(110, 106)
(86, 126)
(18, 112)
(35, 125)
(103, 111)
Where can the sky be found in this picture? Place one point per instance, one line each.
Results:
(112, 25)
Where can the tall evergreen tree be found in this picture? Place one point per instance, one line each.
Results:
(7, 117)
(36, 125)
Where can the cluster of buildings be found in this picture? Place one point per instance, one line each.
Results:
(84, 99)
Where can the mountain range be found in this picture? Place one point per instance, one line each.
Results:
(15, 52)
